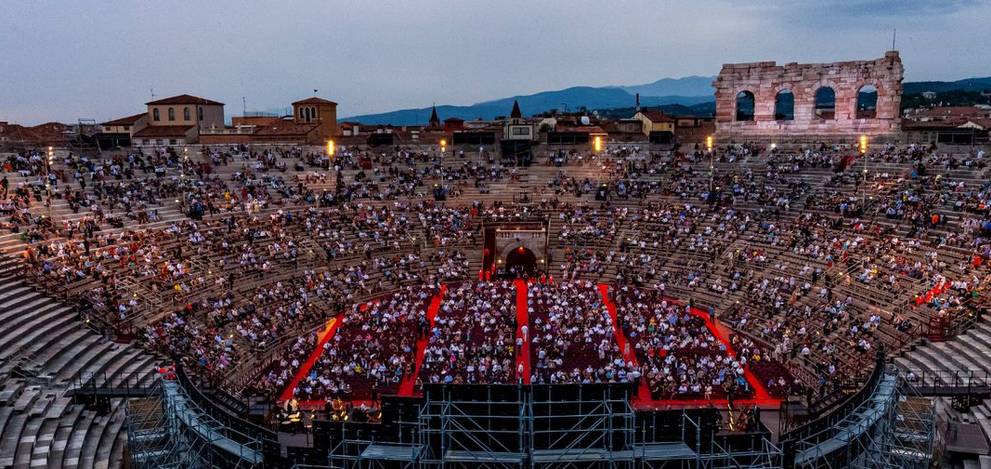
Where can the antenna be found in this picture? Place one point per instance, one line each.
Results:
(152, 92)
(244, 106)
(314, 91)
(894, 35)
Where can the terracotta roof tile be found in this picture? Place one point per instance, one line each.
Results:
(185, 99)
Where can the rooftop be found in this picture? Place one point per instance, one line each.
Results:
(185, 99)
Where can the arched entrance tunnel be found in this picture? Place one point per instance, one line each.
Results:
(521, 262)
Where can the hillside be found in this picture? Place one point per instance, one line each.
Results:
(569, 99)
(688, 95)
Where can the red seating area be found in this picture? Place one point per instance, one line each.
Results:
(680, 357)
(572, 336)
(473, 338)
(373, 349)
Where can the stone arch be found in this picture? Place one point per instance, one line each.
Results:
(866, 102)
(745, 106)
(879, 97)
(522, 261)
(824, 102)
(533, 244)
(784, 104)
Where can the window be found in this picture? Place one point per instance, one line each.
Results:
(521, 131)
(784, 106)
(158, 141)
(171, 114)
(744, 106)
(154, 115)
(127, 128)
(825, 103)
(185, 114)
(314, 111)
(199, 113)
(171, 141)
(867, 102)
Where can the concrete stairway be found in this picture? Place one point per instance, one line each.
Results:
(44, 351)
(970, 351)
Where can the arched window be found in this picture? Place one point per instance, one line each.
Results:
(313, 111)
(199, 113)
(155, 115)
(784, 106)
(185, 113)
(825, 103)
(867, 102)
(744, 106)
(171, 114)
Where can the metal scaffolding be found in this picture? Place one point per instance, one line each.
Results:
(149, 442)
(893, 426)
(459, 431)
(906, 436)
(170, 430)
(569, 429)
(549, 427)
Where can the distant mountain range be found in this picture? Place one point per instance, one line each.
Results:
(692, 95)
(967, 84)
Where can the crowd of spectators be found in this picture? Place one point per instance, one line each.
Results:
(218, 253)
(473, 339)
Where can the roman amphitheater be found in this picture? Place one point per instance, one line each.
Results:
(802, 287)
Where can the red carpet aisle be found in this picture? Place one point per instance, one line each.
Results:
(522, 318)
(644, 398)
(761, 396)
(408, 385)
(643, 392)
(322, 338)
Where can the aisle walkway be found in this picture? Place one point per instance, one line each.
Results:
(643, 392)
(522, 318)
(644, 399)
(408, 386)
(323, 337)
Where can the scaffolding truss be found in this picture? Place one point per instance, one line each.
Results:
(907, 435)
(149, 442)
(169, 430)
(894, 427)
(548, 427)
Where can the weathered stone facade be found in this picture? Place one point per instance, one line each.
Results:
(766, 79)
(534, 240)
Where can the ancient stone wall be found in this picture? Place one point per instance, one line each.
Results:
(507, 240)
(766, 79)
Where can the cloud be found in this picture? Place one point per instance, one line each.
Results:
(65, 59)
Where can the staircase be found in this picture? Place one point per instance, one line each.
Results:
(44, 350)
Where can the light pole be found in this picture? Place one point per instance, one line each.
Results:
(712, 164)
(863, 154)
(48, 178)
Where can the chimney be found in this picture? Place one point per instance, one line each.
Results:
(638, 103)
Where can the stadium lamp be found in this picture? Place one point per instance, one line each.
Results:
(708, 143)
(598, 144)
(863, 144)
(331, 148)
(443, 145)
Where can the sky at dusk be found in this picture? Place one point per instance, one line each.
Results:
(69, 59)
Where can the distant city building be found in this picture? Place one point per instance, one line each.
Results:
(177, 120)
(186, 119)
(657, 126)
(961, 125)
